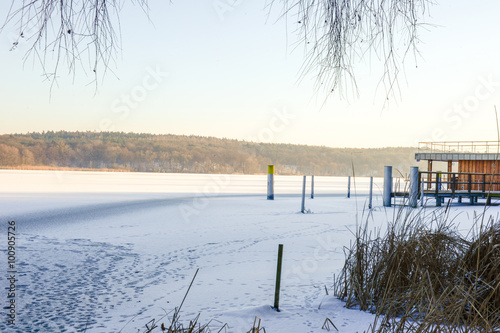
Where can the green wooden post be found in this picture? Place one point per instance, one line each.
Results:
(278, 279)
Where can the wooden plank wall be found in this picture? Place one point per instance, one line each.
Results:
(488, 167)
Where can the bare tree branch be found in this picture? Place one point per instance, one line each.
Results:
(338, 34)
(68, 32)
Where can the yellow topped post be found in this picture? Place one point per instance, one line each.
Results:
(270, 182)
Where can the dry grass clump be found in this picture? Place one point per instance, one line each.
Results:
(423, 276)
(176, 326)
(481, 265)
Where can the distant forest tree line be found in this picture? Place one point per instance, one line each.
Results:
(192, 154)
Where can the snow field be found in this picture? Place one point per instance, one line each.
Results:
(113, 259)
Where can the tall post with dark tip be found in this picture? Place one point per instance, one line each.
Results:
(312, 187)
(387, 186)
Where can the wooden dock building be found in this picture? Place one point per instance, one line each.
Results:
(472, 170)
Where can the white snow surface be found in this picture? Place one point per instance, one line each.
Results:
(109, 252)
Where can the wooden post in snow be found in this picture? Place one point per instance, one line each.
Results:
(278, 278)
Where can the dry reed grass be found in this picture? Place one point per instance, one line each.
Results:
(423, 276)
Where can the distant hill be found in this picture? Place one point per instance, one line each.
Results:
(192, 154)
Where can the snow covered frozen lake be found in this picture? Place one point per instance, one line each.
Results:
(108, 252)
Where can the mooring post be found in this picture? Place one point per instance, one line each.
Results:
(278, 279)
(429, 175)
(312, 187)
(370, 206)
(387, 186)
(471, 199)
(303, 207)
(438, 187)
(270, 182)
(422, 193)
(349, 186)
(453, 185)
(413, 195)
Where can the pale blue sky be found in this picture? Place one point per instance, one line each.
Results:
(237, 77)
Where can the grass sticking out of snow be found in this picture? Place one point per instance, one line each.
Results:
(423, 276)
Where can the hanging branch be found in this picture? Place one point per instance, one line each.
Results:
(63, 33)
(339, 34)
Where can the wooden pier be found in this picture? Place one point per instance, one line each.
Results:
(472, 171)
(456, 185)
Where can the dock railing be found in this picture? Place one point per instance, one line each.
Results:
(452, 182)
(480, 147)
